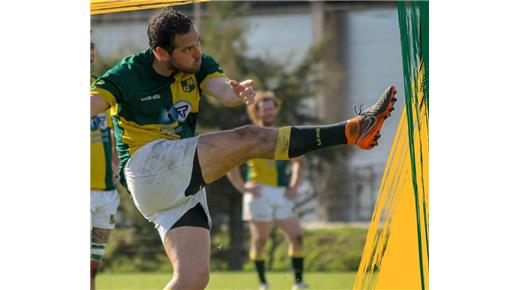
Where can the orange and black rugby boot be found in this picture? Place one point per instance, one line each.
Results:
(363, 130)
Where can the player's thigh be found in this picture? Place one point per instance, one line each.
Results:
(159, 173)
(283, 208)
(222, 151)
(188, 249)
(290, 227)
(259, 230)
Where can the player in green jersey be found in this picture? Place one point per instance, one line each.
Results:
(268, 196)
(104, 198)
(154, 97)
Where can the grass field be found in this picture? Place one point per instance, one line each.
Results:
(228, 280)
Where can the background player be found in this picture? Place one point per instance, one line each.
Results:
(104, 198)
(268, 196)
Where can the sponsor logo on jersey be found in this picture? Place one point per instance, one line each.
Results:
(183, 109)
(151, 98)
(178, 112)
(168, 130)
(98, 122)
(188, 85)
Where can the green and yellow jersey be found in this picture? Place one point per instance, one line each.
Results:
(101, 151)
(147, 106)
(268, 172)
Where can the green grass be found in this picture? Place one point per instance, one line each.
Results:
(227, 280)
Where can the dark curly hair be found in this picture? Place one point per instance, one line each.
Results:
(164, 26)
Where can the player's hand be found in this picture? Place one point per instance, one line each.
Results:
(290, 192)
(252, 188)
(244, 90)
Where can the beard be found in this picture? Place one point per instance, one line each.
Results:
(188, 70)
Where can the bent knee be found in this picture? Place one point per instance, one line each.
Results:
(252, 133)
(247, 132)
(197, 279)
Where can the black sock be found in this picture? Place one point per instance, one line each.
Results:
(309, 138)
(297, 263)
(260, 269)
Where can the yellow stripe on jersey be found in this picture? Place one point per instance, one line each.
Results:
(100, 143)
(98, 152)
(262, 171)
(97, 165)
(209, 77)
(104, 94)
(186, 90)
(136, 136)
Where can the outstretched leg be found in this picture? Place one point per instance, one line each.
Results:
(222, 151)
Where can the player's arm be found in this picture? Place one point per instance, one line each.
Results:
(296, 174)
(296, 171)
(238, 182)
(236, 179)
(97, 105)
(230, 92)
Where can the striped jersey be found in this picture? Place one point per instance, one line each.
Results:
(101, 151)
(268, 172)
(146, 106)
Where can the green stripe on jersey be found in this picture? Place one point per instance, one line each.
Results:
(281, 167)
(107, 146)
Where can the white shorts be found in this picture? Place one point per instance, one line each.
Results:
(157, 176)
(103, 208)
(270, 205)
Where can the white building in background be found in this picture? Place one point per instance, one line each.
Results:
(369, 51)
